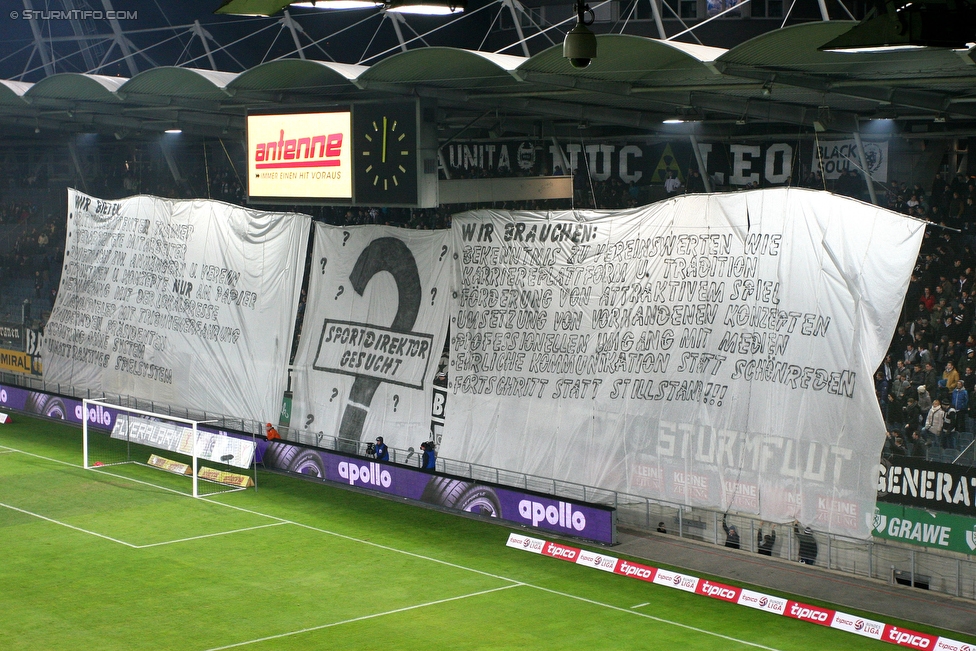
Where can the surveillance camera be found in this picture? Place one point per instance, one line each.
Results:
(580, 46)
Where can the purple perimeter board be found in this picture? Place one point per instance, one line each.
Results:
(566, 518)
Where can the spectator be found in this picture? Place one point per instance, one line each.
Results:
(899, 449)
(731, 535)
(969, 379)
(924, 401)
(765, 543)
(934, 420)
(897, 399)
(672, 184)
(271, 433)
(948, 437)
(889, 445)
(927, 300)
(808, 544)
(910, 355)
(661, 528)
(881, 392)
(917, 446)
(950, 376)
(960, 402)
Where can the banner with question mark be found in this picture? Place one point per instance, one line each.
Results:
(375, 327)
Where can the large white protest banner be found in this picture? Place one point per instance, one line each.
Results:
(184, 303)
(374, 329)
(712, 350)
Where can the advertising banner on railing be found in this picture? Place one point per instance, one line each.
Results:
(923, 527)
(855, 624)
(911, 481)
(567, 518)
(712, 350)
(374, 329)
(11, 335)
(178, 437)
(212, 444)
(185, 303)
(20, 362)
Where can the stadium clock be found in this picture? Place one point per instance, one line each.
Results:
(385, 156)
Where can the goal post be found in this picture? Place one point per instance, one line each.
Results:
(213, 461)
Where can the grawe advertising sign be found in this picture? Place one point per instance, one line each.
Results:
(739, 596)
(563, 517)
(923, 527)
(300, 155)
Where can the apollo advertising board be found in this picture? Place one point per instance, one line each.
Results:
(563, 517)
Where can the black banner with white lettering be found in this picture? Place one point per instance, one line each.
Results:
(928, 485)
(732, 164)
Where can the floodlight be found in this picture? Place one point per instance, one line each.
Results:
(427, 7)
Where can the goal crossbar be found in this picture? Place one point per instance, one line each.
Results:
(190, 424)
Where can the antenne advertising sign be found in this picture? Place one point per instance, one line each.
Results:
(299, 155)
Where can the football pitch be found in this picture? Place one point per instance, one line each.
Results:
(114, 560)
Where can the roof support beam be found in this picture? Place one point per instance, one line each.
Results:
(39, 43)
(83, 44)
(888, 95)
(79, 168)
(120, 39)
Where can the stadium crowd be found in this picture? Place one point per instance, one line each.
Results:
(926, 380)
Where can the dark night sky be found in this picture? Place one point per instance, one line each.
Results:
(147, 24)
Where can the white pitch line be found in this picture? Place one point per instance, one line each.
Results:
(503, 578)
(652, 617)
(646, 603)
(364, 617)
(209, 535)
(31, 454)
(514, 582)
(366, 542)
(70, 526)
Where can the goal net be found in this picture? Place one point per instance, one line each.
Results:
(195, 459)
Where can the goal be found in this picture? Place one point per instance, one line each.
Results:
(198, 460)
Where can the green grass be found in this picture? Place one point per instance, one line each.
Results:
(299, 565)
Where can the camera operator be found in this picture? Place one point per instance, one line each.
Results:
(382, 451)
(429, 461)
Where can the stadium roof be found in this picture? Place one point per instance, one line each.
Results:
(778, 78)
